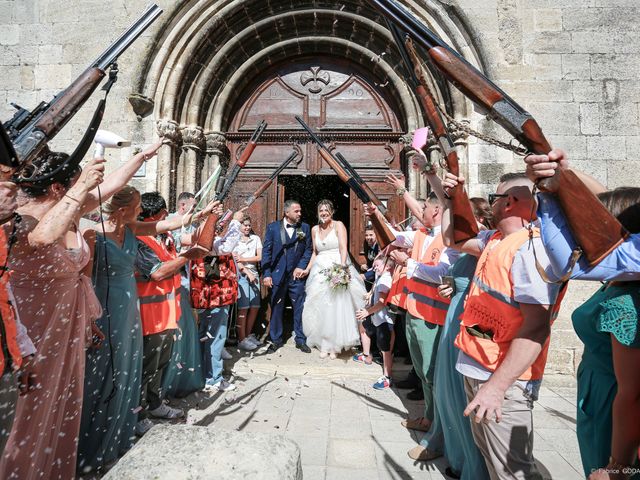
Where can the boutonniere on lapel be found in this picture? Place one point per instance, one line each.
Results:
(300, 235)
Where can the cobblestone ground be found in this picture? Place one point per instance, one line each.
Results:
(345, 428)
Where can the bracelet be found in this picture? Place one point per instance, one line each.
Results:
(401, 191)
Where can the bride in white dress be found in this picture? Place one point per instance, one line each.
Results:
(329, 316)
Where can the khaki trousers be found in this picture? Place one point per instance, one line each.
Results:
(507, 447)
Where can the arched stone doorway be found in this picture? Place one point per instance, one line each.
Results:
(214, 56)
(338, 100)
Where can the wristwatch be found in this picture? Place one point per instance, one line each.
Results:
(401, 191)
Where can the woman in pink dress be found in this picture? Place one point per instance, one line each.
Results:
(57, 305)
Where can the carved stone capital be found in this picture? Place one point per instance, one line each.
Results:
(458, 135)
(406, 140)
(193, 138)
(216, 144)
(169, 130)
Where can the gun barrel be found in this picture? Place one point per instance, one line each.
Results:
(406, 21)
(311, 133)
(258, 131)
(123, 42)
(284, 165)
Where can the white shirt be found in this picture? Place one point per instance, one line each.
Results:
(430, 273)
(224, 245)
(247, 250)
(289, 229)
(382, 285)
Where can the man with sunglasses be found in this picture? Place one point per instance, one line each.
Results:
(504, 331)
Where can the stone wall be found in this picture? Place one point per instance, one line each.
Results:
(574, 64)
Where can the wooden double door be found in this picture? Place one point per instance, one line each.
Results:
(351, 111)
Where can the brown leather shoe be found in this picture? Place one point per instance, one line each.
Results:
(420, 424)
(422, 454)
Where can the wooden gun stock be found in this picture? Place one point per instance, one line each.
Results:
(69, 102)
(204, 237)
(593, 227)
(384, 235)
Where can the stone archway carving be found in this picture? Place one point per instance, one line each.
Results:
(210, 49)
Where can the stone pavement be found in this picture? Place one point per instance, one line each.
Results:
(345, 428)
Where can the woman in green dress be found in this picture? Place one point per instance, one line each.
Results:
(607, 324)
(113, 371)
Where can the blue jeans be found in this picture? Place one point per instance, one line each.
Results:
(212, 332)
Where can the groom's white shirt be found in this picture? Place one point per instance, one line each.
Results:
(430, 273)
(290, 231)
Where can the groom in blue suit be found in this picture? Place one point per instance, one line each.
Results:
(286, 252)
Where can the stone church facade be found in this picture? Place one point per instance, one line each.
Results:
(209, 70)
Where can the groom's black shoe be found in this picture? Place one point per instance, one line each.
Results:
(273, 348)
(303, 347)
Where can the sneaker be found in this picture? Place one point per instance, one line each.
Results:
(382, 383)
(226, 355)
(247, 345)
(143, 426)
(165, 411)
(360, 358)
(253, 339)
(221, 386)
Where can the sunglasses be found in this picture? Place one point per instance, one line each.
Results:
(494, 196)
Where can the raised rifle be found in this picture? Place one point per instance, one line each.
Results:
(594, 228)
(242, 161)
(206, 234)
(383, 232)
(465, 225)
(30, 131)
(267, 183)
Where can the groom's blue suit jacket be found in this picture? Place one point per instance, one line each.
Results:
(281, 255)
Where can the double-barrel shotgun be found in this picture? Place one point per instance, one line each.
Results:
(267, 183)
(356, 184)
(464, 225)
(594, 228)
(30, 131)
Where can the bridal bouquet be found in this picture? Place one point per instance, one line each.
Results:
(337, 276)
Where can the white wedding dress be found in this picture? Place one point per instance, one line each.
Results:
(329, 316)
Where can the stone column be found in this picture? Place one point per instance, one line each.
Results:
(217, 153)
(167, 158)
(193, 143)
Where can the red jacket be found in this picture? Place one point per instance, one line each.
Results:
(214, 285)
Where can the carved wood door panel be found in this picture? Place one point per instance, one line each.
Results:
(350, 110)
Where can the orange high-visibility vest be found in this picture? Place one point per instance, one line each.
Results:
(423, 300)
(397, 295)
(491, 317)
(159, 300)
(8, 331)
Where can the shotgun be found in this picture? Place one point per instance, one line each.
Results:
(596, 231)
(242, 161)
(30, 131)
(383, 232)
(465, 225)
(267, 183)
(206, 233)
